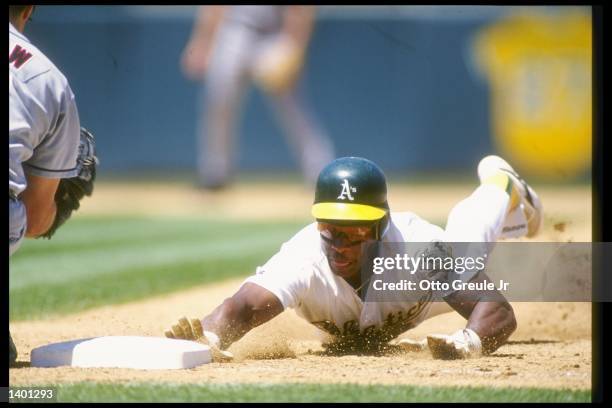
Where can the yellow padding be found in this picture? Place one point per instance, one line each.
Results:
(347, 212)
(503, 181)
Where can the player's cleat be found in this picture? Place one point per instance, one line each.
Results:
(211, 185)
(215, 177)
(530, 203)
(12, 351)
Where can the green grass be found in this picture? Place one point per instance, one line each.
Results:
(107, 260)
(90, 392)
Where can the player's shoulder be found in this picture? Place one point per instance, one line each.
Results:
(305, 238)
(303, 249)
(27, 62)
(407, 219)
(409, 227)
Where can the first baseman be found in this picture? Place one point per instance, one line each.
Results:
(317, 272)
(51, 158)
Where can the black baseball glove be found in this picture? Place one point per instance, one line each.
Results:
(70, 191)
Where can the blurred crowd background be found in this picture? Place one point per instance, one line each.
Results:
(414, 88)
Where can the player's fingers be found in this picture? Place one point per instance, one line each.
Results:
(184, 323)
(169, 334)
(198, 330)
(178, 332)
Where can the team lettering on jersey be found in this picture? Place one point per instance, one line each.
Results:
(346, 191)
(393, 325)
(19, 56)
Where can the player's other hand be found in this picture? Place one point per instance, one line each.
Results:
(462, 344)
(193, 330)
(194, 60)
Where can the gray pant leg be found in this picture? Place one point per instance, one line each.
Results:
(17, 227)
(226, 82)
(17, 224)
(310, 144)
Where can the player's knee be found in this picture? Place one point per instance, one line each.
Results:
(465, 223)
(462, 211)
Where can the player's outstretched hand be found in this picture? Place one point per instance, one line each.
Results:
(462, 344)
(194, 60)
(193, 330)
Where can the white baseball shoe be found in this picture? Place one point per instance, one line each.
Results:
(530, 202)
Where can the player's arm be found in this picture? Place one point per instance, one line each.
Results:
(298, 23)
(490, 322)
(39, 202)
(248, 308)
(196, 53)
(251, 306)
(489, 315)
(286, 278)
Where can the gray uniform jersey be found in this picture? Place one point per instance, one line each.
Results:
(260, 18)
(43, 124)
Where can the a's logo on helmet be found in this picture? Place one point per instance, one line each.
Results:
(346, 191)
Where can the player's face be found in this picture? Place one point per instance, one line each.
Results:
(342, 246)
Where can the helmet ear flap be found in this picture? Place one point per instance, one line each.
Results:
(381, 227)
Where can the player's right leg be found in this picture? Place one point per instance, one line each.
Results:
(226, 83)
(17, 227)
(495, 170)
(503, 206)
(307, 139)
(310, 144)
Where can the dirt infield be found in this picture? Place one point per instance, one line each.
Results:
(551, 347)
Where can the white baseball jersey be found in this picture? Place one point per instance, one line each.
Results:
(300, 276)
(43, 123)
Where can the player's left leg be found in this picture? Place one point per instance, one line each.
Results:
(17, 224)
(220, 103)
(309, 143)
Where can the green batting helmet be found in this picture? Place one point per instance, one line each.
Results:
(351, 189)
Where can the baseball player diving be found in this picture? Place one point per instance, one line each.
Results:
(52, 164)
(318, 271)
